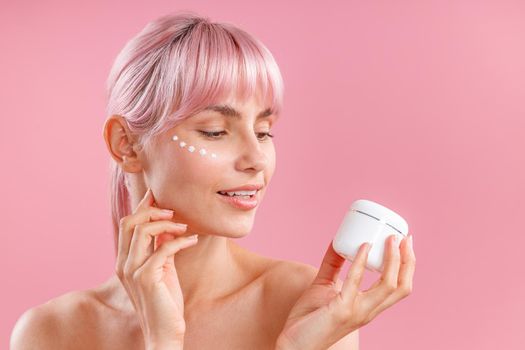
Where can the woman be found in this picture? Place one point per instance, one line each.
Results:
(191, 105)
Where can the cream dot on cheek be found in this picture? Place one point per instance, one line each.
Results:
(192, 148)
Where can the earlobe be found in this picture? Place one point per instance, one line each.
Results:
(120, 144)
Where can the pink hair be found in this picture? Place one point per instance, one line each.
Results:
(177, 65)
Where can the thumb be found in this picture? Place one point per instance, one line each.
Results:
(330, 267)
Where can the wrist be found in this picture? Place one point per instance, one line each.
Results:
(283, 344)
(172, 345)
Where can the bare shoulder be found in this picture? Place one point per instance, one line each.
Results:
(284, 284)
(292, 276)
(50, 325)
(296, 274)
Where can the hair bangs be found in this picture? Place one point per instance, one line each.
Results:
(219, 60)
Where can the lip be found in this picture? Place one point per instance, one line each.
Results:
(247, 187)
(240, 203)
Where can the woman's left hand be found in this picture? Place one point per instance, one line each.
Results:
(324, 314)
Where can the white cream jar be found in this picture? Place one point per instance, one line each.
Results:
(367, 221)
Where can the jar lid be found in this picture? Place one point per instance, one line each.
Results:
(381, 213)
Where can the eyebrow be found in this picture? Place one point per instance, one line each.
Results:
(229, 111)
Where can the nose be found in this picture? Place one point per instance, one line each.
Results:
(252, 155)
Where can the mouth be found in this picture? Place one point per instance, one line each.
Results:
(239, 194)
(241, 199)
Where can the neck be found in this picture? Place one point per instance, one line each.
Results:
(207, 272)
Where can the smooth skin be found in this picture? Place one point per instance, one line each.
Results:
(215, 293)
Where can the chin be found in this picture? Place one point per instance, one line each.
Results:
(226, 227)
(240, 232)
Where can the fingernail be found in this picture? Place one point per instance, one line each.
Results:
(193, 237)
(167, 211)
(411, 241)
(181, 225)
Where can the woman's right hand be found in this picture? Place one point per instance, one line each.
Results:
(149, 276)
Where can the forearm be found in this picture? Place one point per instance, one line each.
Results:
(165, 347)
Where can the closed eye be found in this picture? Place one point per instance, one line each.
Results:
(213, 134)
(266, 134)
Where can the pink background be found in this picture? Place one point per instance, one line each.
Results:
(418, 105)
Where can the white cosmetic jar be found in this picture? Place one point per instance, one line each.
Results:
(367, 221)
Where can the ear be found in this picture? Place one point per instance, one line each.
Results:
(120, 144)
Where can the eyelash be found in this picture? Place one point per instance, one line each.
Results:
(210, 133)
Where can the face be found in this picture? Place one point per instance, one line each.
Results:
(211, 152)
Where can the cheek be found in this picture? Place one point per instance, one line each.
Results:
(198, 163)
(181, 175)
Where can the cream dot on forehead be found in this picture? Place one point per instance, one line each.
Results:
(192, 148)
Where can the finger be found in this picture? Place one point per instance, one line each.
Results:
(142, 241)
(388, 280)
(160, 239)
(405, 280)
(146, 201)
(126, 229)
(140, 214)
(330, 267)
(156, 262)
(355, 274)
